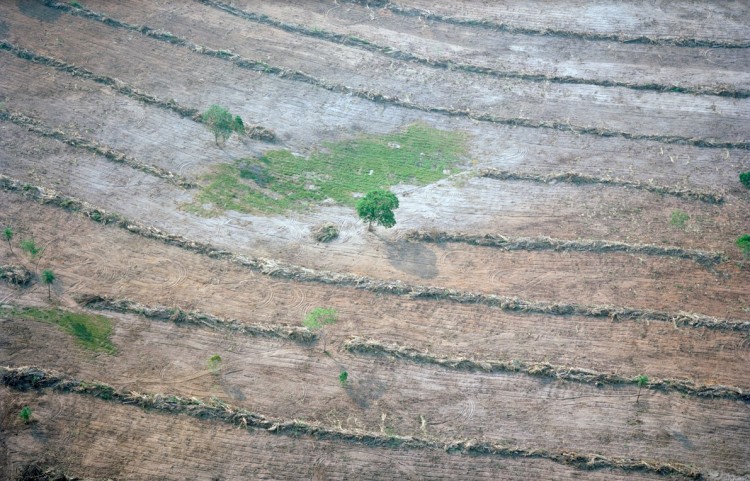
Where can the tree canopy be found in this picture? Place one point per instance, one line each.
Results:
(377, 207)
(221, 123)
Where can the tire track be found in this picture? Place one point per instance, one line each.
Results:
(254, 131)
(362, 44)
(378, 97)
(281, 270)
(27, 378)
(704, 258)
(37, 127)
(503, 27)
(540, 369)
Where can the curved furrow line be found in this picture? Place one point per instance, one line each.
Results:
(178, 316)
(282, 270)
(704, 258)
(356, 42)
(254, 131)
(37, 127)
(541, 369)
(378, 97)
(710, 197)
(503, 27)
(27, 378)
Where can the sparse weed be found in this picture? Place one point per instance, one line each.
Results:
(91, 331)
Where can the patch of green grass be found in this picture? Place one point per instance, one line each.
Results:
(91, 331)
(281, 180)
(679, 218)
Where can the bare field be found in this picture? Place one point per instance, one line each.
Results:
(562, 357)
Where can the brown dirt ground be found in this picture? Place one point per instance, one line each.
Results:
(101, 440)
(278, 378)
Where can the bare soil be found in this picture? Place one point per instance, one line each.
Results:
(641, 93)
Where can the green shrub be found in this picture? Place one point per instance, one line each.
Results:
(745, 179)
(343, 377)
(25, 414)
(30, 247)
(743, 242)
(214, 362)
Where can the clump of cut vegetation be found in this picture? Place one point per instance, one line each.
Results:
(745, 179)
(318, 319)
(377, 207)
(679, 218)
(16, 274)
(222, 123)
(325, 232)
(90, 330)
(337, 172)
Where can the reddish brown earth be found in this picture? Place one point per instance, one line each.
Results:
(576, 47)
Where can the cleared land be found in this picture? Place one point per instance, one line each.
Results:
(567, 224)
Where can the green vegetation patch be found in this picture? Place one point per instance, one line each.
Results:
(92, 331)
(679, 218)
(281, 180)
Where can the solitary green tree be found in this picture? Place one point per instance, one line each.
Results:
(8, 235)
(318, 319)
(745, 179)
(642, 381)
(48, 277)
(343, 377)
(222, 124)
(377, 206)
